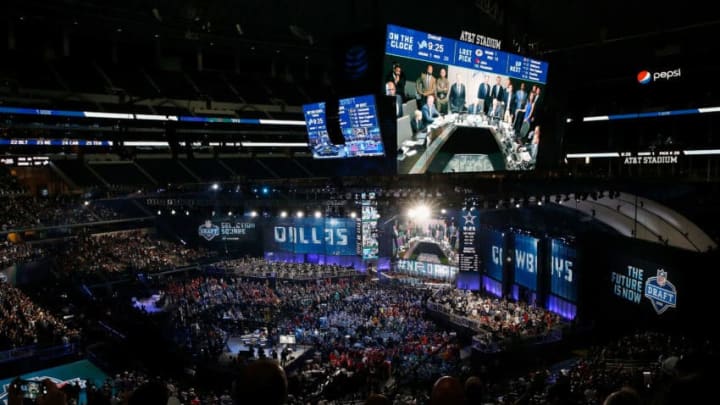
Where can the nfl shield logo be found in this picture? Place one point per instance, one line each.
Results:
(208, 230)
(661, 277)
(661, 292)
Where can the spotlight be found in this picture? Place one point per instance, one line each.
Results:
(265, 190)
(300, 214)
(353, 214)
(253, 214)
(283, 214)
(159, 212)
(229, 213)
(172, 212)
(86, 203)
(421, 212)
(318, 214)
(187, 213)
(215, 186)
(443, 211)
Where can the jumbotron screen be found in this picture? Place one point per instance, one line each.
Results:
(318, 135)
(356, 120)
(359, 126)
(425, 244)
(462, 107)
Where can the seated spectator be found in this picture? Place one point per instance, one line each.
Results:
(447, 391)
(150, 393)
(262, 382)
(378, 399)
(624, 396)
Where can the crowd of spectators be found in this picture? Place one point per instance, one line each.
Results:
(121, 387)
(9, 185)
(261, 268)
(119, 252)
(655, 368)
(361, 332)
(205, 310)
(18, 253)
(23, 323)
(501, 317)
(24, 211)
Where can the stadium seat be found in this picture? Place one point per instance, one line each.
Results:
(409, 108)
(404, 131)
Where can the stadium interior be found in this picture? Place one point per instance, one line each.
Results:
(274, 202)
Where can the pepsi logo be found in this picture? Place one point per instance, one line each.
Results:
(644, 77)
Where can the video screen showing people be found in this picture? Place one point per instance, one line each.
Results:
(420, 237)
(477, 110)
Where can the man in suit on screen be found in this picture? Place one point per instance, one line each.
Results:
(457, 96)
(429, 112)
(392, 92)
(397, 76)
(484, 93)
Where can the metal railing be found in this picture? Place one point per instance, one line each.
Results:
(44, 353)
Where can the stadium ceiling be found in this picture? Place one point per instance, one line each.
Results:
(550, 24)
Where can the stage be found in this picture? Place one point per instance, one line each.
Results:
(148, 304)
(239, 345)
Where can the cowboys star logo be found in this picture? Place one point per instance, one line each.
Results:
(469, 223)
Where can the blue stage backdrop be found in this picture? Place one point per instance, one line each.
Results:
(325, 236)
(563, 273)
(491, 244)
(526, 261)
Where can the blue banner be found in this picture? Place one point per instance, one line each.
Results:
(563, 276)
(492, 246)
(469, 226)
(328, 236)
(526, 261)
(432, 48)
(419, 45)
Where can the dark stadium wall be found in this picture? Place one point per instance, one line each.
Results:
(618, 271)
